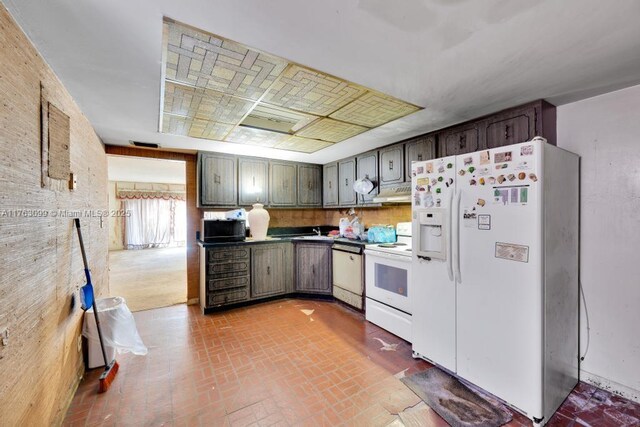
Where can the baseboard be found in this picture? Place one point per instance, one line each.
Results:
(193, 301)
(609, 385)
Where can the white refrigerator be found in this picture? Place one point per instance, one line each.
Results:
(495, 271)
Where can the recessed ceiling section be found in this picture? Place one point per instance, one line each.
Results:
(215, 88)
(331, 130)
(204, 104)
(312, 92)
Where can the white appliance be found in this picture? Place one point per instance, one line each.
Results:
(388, 283)
(347, 273)
(495, 268)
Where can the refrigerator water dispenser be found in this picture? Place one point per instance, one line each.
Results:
(432, 236)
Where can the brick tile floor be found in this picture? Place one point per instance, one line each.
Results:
(271, 364)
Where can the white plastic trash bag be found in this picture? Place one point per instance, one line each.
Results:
(118, 327)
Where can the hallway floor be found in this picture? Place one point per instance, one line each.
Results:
(149, 278)
(275, 364)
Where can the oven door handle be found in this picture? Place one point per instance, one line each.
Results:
(387, 256)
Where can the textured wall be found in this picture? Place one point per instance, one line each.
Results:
(605, 132)
(370, 216)
(40, 262)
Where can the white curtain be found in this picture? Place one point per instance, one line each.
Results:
(179, 235)
(148, 224)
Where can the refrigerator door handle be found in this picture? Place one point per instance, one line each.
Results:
(449, 238)
(457, 240)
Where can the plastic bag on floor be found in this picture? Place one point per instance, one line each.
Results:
(117, 324)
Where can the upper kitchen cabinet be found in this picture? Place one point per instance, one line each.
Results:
(417, 150)
(330, 185)
(283, 184)
(253, 181)
(392, 164)
(367, 167)
(217, 180)
(459, 140)
(309, 185)
(346, 178)
(521, 124)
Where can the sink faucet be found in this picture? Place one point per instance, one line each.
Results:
(317, 231)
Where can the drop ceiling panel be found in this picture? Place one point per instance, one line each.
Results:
(303, 145)
(206, 61)
(331, 130)
(263, 138)
(195, 128)
(374, 109)
(279, 119)
(204, 104)
(312, 92)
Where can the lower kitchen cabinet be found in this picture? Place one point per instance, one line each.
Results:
(313, 268)
(224, 276)
(271, 269)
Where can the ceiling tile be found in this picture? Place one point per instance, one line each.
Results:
(312, 92)
(263, 138)
(204, 104)
(207, 61)
(195, 128)
(331, 130)
(374, 109)
(303, 145)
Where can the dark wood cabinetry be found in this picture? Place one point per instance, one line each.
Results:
(253, 181)
(367, 167)
(313, 268)
(283, 185)
(512, 126)
(217, 180)
(271, 269)
(346, 178)
(417, 150)
(224, 277)
(309, 185)
(392, 169)
(330, 185)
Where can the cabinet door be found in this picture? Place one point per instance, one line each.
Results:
(392, 165)
(367, 166)
(330, 185)
(346, 178)
(416, 150)
(218, 180)
(313, 268)
(506, 129)
(459, 141)
(282, 184)
(253, 181)
(309, 185)
(270, 269)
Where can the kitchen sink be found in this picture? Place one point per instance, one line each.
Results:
(315, 237)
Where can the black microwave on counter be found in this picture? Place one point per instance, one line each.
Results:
(223, 230)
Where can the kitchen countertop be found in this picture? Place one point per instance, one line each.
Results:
(295, 239)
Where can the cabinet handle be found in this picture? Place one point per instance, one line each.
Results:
(216, 178)
(313, 269)
(419, 157)
(506, 132)
(463, 141)
(390, 164)
(351, 257)
(254, 181)
(268, 270)
(309, 185)
(329, 185)
(346, 182)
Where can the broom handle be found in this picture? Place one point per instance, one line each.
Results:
(95, 306)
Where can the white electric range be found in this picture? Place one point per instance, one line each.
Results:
(387, 283)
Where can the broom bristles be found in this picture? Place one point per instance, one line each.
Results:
(108, 376)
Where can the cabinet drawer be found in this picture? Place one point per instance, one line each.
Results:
(228, 297)
(228, 269)
(226, 283)
(228, 254)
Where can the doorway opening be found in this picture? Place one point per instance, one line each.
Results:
(147, 231)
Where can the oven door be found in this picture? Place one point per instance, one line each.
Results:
(387, 278)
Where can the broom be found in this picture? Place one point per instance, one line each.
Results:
(88, 300)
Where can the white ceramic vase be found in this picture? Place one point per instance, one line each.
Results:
(258, 222)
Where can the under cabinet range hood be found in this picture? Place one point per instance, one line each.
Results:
(396, 194)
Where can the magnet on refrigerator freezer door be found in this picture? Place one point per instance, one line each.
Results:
(472, 182)
(471, 169)
(481, 202)
(511, 177)
(522, 176)
(461, 172)
(468, 160)
(491, 180)
(501, 179)
(533, 177)
(441, 169)
(481, 181)
(449, 165)
(440, 179)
